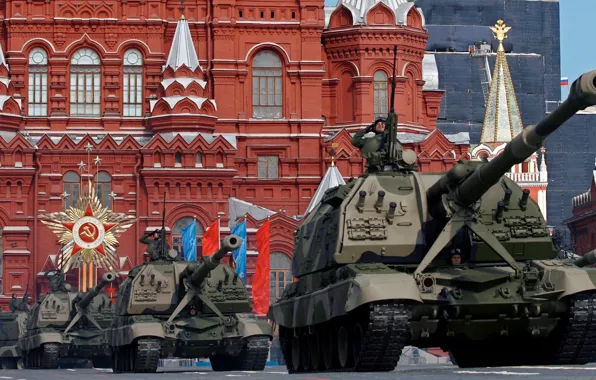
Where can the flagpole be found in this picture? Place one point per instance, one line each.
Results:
(195, 221)
(218, 231)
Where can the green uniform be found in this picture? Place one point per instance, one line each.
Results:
(370, 148)
(153, 246)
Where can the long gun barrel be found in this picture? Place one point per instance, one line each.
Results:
(582, 94)
(87, 298)
(198, 274)
(587, 259)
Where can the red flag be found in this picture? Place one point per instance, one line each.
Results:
(260, 281)
(211, 239)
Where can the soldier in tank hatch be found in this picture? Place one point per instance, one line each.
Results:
(372, 141)
(154, 247)
(456, 258)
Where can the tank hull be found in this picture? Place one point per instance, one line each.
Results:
(455, 309)
(191, 316)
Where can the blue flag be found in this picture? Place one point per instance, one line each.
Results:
(189, 241)
(240, 254)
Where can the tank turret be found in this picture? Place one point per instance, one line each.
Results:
(587, 259)
(91, 294)
(462, 260)
(196, 275)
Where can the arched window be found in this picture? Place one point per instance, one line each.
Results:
(37, 98)
(85, 83)
(280, 275)
(178, 159)
(103, 188)
(266, 86)
(72, 188)
(133, 83)
(380, 89)
(199, 160)
(177, 235)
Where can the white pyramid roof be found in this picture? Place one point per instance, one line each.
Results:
(331, 179)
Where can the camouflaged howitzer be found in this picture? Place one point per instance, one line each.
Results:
(65, 324)
(374, 275)
(171, 308)
(12, 326)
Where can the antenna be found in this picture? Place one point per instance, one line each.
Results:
(162, 236)
(392, 117)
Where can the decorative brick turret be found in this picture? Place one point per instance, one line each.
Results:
(185, 103)
(10, 107)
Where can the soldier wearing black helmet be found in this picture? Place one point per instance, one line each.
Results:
(154, 248)
(371, 141)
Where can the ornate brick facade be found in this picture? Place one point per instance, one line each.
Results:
(237, 99)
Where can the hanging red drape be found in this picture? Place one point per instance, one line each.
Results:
(260, 282)
(211, 239)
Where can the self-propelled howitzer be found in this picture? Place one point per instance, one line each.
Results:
(68, 324)
(374, 273)
(188, 310)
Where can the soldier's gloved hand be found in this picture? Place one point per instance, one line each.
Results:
(369, 135)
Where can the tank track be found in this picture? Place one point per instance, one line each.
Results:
(386, 332)
(575, 342)
(572, 342)
(147, 355)
(140, 356)
(253, 357)
(44, 357)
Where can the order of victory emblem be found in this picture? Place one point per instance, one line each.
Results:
(88, 232)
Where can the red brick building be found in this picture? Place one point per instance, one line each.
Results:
(582, 225)
(220, 104)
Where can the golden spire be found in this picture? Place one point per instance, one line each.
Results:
(543, 149)
(332, 160)
(500, 32)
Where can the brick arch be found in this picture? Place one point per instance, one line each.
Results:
(380, 14)
(189, 209)
(38, 42)
(11, 106)
(411, 69)
(414, 18)
(279, 50)
(342, 16)
(85, 42)
(282, 246)
(133, 44)
(380, 65)
(341, 67)
(186, 106)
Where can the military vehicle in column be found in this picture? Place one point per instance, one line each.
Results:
(172, 308)
(373, 276)
(67, 324)
(12, 325)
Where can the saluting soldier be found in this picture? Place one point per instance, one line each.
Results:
(154, 247)
(372, 141)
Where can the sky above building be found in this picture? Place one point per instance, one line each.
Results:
(577, 56)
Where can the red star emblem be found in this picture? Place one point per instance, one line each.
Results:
(88, 235)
